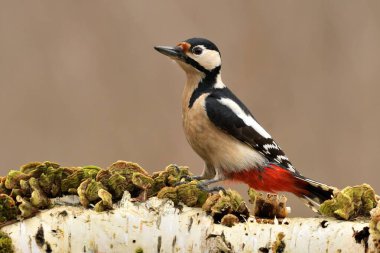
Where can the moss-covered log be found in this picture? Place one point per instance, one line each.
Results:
(45, 207)
(158, 225)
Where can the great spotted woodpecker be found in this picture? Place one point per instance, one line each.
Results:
(223, 132)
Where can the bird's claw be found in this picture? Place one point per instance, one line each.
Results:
(204, 187)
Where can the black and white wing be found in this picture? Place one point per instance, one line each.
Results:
(229, 114)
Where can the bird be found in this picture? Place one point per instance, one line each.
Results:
(225, 134)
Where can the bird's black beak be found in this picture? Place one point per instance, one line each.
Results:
(173, 52)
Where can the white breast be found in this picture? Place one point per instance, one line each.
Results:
(217, 148)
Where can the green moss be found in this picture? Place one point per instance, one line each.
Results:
(73, 180)
(26, 208)
(126, 169)
(50, 181)
(168, 193)
(350, 202)
(88, 191)
(175, 173)
(142, 181)
(189, 194)
(13, 179)
(38, 197)
(8, 208)
(105, 197)
(91, 171)
(139, 250)
(3, 189)
(106, 201)
(6, 245)
(27, 168)
(117, 184)
(231, 202)
(25, 187)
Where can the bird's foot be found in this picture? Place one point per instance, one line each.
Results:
(203, 186)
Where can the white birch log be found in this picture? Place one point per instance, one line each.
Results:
(158, 226)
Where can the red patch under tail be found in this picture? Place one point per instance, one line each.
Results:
(272, 178)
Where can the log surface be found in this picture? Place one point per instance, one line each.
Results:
(158, 226)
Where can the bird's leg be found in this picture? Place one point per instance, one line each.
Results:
(203, 185)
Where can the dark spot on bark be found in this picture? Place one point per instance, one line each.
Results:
(286, 223)
(159, 244)
(281, 247)
(84, 248)
(362, 237)
(324, 224)
(246, 234)
(174, 241)
(190, 224)
(134, 241)
(48, 248)
(211, 236)
(40, 239)
(54, 231)
(264, 250)
(63, 213)
(179, 207)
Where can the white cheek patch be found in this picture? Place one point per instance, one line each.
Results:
(209, 59)
(248, 119)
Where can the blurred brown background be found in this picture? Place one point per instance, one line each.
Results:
(81, 83)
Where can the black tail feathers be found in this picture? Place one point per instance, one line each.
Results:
(315, 193)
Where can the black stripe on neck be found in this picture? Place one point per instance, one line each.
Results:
(205, 85)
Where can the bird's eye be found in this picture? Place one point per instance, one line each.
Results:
(197, 50)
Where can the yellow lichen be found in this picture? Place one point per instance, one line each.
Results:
(350, 202)
(13, 179)
(230, 202)
(88, 191)
(38, 197)
(117, 184)
(106, 201)
(168, 193)
(73, 179)
(189, 194)
(142, 181)
(6, 245)
(26, 208)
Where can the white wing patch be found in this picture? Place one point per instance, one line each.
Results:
(248, 119)
(270, 146)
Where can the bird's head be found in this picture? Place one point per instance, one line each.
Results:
(195, 55)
